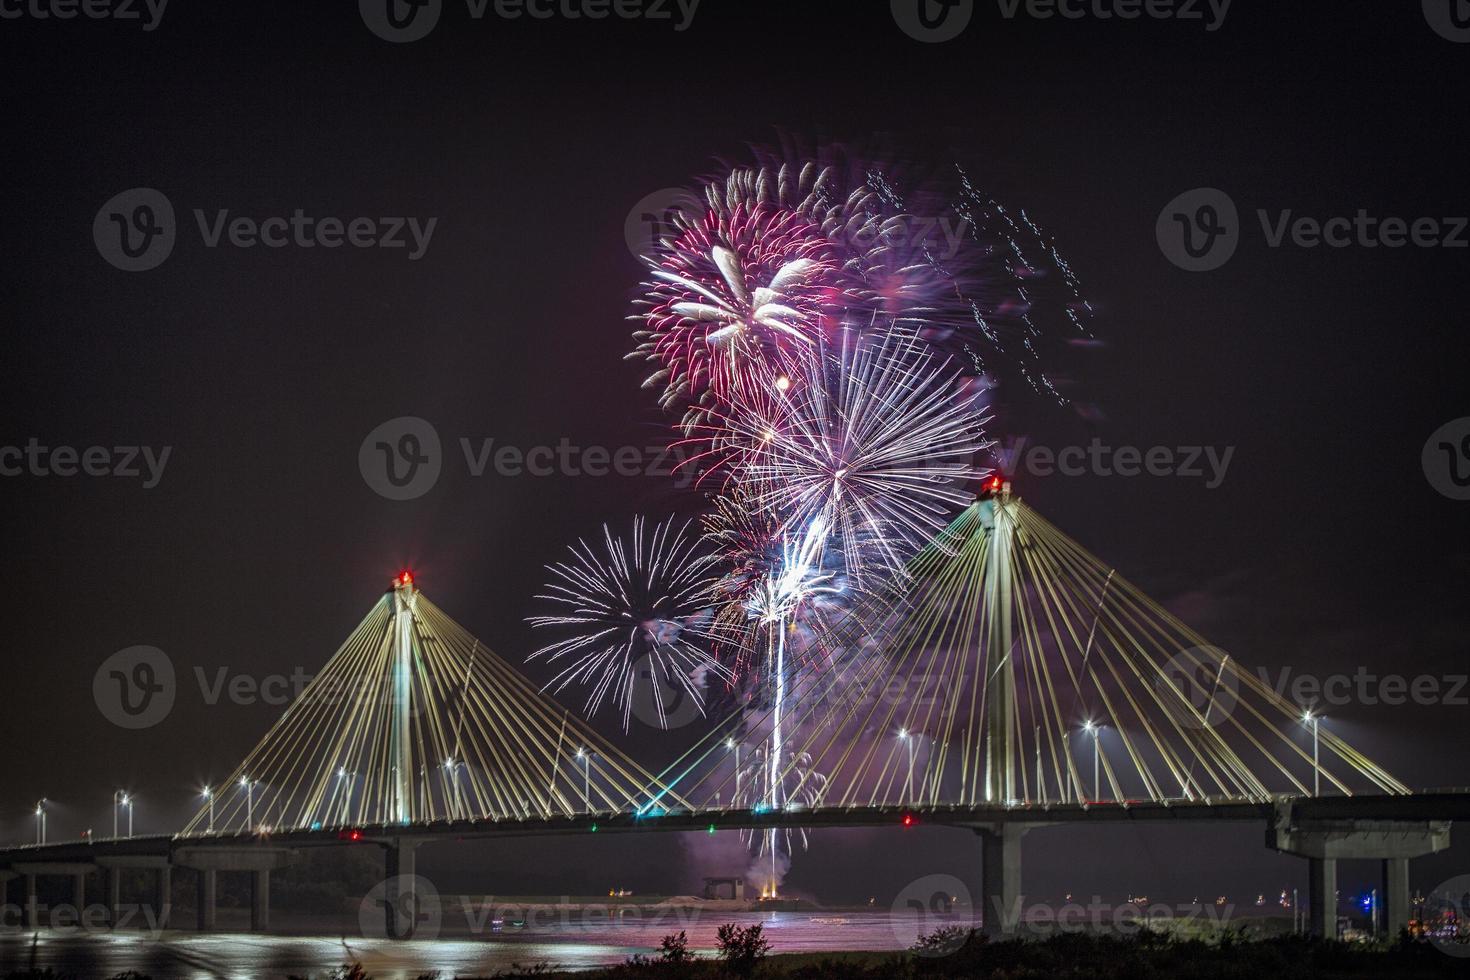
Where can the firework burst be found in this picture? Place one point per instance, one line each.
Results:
(637, 617)
(874, 445)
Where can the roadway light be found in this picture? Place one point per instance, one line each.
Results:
(908, 789)
(1315, 722)
(342, 774)
(586, 758)
(734, 746)
(248, 785)
(208, 795)
(41, 821)
(1095, 730)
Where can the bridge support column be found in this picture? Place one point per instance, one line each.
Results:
(1000, 879)
(113, 879)
(208, 886)
(1395, 896)
(163, 898)
(1322, 896)
(79, 893)
(32, 907)
(400, 898)
(260, 900)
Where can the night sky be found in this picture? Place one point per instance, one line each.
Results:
(1325, 549)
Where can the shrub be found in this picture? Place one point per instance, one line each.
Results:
(742, 949)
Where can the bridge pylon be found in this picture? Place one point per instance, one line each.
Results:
(1000, 686)
(401, 662)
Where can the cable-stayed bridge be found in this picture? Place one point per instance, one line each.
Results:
(1010, 680)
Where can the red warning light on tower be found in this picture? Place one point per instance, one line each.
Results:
(404, 578)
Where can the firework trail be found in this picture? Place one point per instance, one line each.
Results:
(825, 335)
(629, 607)
(875, 444)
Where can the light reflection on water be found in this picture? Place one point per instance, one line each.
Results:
(244, 956)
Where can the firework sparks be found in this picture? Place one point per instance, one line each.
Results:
(875, 447)
(639, 607)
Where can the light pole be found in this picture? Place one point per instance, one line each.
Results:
(344, 779)
(208, 795)
(41, 821)
(586, 758)
(1096, 732)
(734, 746)
(908, 786)
(1315, 721)
(454, 802)
(120, 798)
(248, 785)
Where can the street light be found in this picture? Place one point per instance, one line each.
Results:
(346, 792)
(586, 758)
(1315, 721)
(454, 802)
(1096, 732)
(734, 746)
(120, 798)
(208, 795)
(41, 821)
(908, 789)
(248, 785)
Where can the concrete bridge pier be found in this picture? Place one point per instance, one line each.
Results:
(112, 878)
(1396, 895)
(1325, 842)
(154, 915)
(258, 860)
(206, 900)
(32, 870)
(400, 894)
(32, 904)
(1000, 879)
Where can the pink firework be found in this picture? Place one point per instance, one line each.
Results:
(757, 279)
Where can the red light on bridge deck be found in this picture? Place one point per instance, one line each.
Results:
(350, 835)
(908, 819)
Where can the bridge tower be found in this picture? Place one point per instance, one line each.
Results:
(400, 746)
(1000, 685)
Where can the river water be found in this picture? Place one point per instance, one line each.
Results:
(455, 952)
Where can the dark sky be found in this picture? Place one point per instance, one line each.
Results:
(1325, 549)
